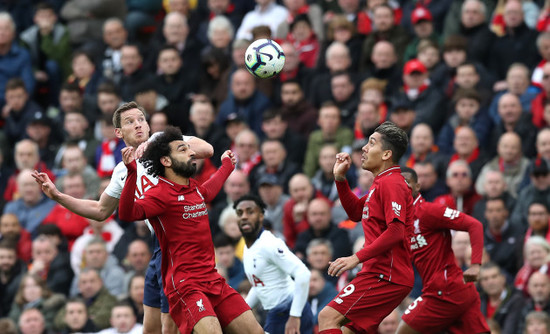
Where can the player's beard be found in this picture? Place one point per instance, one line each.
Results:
(184, 169)
(251, 235)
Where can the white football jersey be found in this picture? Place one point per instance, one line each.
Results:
(269, 265)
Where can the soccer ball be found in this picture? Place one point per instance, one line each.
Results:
(264, 58)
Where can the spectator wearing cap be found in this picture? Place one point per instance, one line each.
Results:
(462, 196)
(386, 30)
(270, 189)
(422, 21)
(510, 161)
(277, 128)
(385, 66)
(425, 98)
(39, 130)
(517, 83)
(296, 110)
(537, 190)
(403, 115)
(18, 111)
(467, 112)
(274, 162)
(466, 147)
(438, 10)
(245, 100)
(517, 44)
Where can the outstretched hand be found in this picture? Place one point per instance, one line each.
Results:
(128, 155)
(47, 186)
(342, 264)
(341, 166)
(229, 154)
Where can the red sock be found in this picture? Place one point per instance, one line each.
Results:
(331, 331)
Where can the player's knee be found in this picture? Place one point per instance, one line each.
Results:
(168, 324)
(329, 318)
(151, 329)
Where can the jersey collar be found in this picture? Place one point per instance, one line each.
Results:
(389, 171)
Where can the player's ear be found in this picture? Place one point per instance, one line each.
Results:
(387, 155)
(166, 161)
(118, 133)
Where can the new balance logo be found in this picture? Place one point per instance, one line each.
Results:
(396, 208)
(200, 305)
(181, 198)
(451, 214)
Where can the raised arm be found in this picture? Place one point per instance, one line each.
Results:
(213, 185)
(201, 147)
(97, 210)
(350, 202)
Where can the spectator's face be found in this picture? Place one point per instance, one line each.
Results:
(539, 287)
(231, 228)
(465, 141)
(427, 176)
(543, 144)
(291, 94)
(403, 118)
(175, 29)
(270, 193)
(242, 85)
(220, 38)
(74, 186)
(513, 14)
(273, 154)
(389, 324)
(509, 109)
(429, 57)
(544, 48)
(225, 256)
(202, 115)
(546, 78)
(472, 15)
(536, 326)
(368, 116)
(318, 257)
(89, 284)
(130, 60)
(76, 125)
(32, 322)
(509, 148)
(535, 256)
(38, 131)
(138, 256)
(123, 318)
(494, 184)
(466, 76)
(338, 59)
(318, 215)
(327, 158)
(29, 190)
(496, 214)
(159, 122)
(107, 103)
(373, 96)
(9, 226)
(218, 6)
(83, 67)
(423, 29)
(459, 180)
(236, 185)
(75, 315)
(415, 79)
(301, 31)
(421, 139)
(349, 6)
(169, 62)
(466, 108)
(453, 58)
(96, 256)
(300, 189)
(31, 290)
(292, 58)
(44, 250)
(26, 156)
(316, 282)
(6, 32)
(518, 80)
(70, 101)
(492, 281)
(74, 160)
(246, 146)
(383, 18)
(274, 128)
(16, 98)
(342, 88)
(383, 55)
(537, 217)
(114, 35)
(8, 258)
(180, 6)
(136, 289)
(329, 119)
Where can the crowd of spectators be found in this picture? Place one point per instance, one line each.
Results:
(468, 80)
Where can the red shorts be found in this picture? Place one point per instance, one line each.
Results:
(367, 300)
(189, 304)
(456, 313)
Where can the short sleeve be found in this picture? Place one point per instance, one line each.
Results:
(114, 189)
(393, 198)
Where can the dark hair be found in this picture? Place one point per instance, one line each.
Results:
(49, 230)
(466, 93)
(342, 73)
(15, 83)
(222, 240)
(250, 197)
(497, 198)
(262, 30)
(76, 300)
(292, 81)
(8, 244)
(300, 18)
(125, 107)
(270, 114)
(167, 47)
(491, 265)
(393, 139)
(158, 148)
(43, 5)
(405, 169)
(7, 326)
(84, 53)
(539, 202)
(71, 87)
(469, 64)
(384, 5)
(455, 43)
(108, 87)
(215, 56)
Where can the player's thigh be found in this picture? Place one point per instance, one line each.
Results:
(472, 320)
(230, 307)
(207, 325)
(331, 318)
(245, 323)
(188, 309)
(151, 320)
(168, 324)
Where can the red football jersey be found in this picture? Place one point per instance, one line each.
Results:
(430, 244)
(389, 199)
